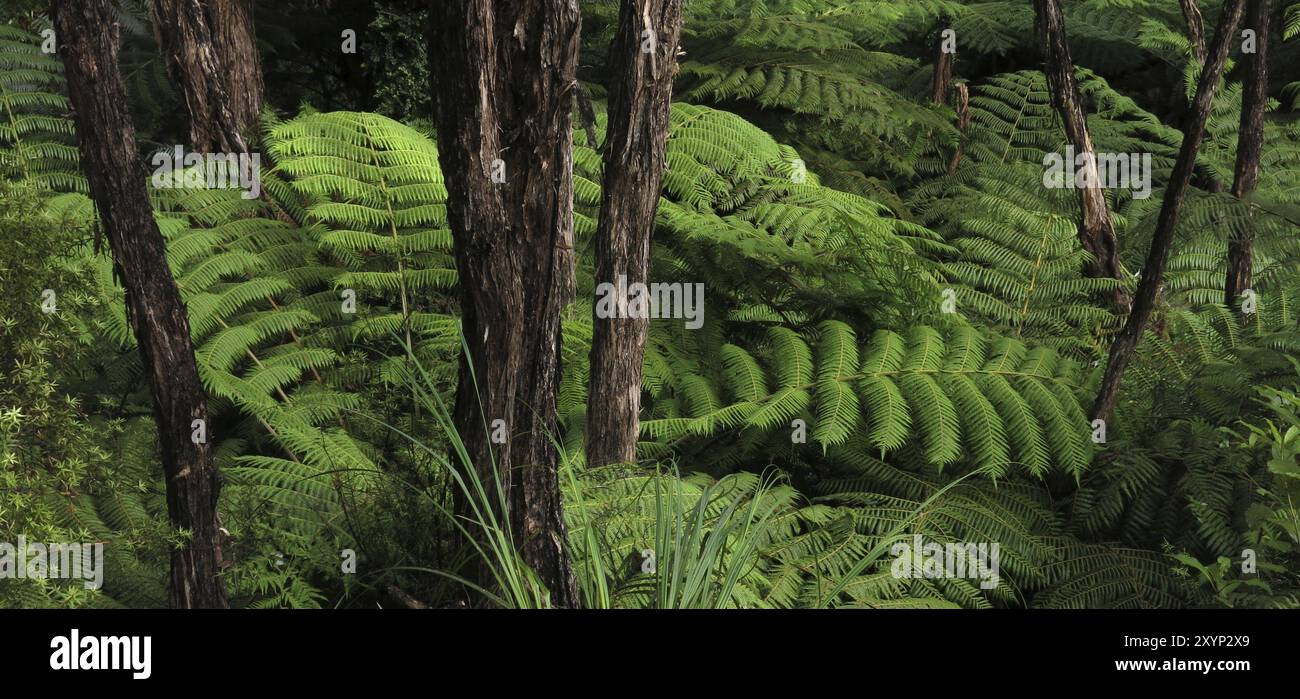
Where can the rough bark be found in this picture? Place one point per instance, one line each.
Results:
(640, 99)
(1195, 28)
(88, 38)
(1125, 344)
(211, 54)
(1096, 230)
(943, 61)
(503, 72)
(1204, 179)
(1250, 143)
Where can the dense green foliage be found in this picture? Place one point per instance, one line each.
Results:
(891, 346)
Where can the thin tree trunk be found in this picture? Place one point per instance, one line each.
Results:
(1096, 230)
(87, 32)
(1250, 143)
(212, 56)
(943, 61)
(640, 101)
(1125, 344)
(963, 122)
(1195, 28)
(503, 71)
(1205, 179)
(942, 86)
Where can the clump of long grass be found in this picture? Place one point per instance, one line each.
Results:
(699, 544)
(485, 527)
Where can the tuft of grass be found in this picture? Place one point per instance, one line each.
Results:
(486, 526)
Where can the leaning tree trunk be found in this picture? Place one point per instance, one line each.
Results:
(640, 100)
(212, 56)
(1125, 344)
(503, 71)
(1250, 142)
(1195, 29)
(1096, 230)
(87, 33)
(1204, 179)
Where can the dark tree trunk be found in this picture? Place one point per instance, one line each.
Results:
(1125, 344)
(943, 61)
(1096, 230)
(640, 100)
(212, 56)
(503, 71)
(1204, 179)
(87, 33)
(942, 86)
(1195, 28)
(236, 42)
(1250, 143)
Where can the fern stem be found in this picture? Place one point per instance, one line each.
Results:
(13, 121)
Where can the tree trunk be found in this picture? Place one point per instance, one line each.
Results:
(1250, 143)
(1205, 179)
(1125, 344)
(640, 101)
(87, 32)
(212, 56)
(962, 106)
(1195, 28)
(943, 86)
(502, 75)
(943, 61)
(1096, 230)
